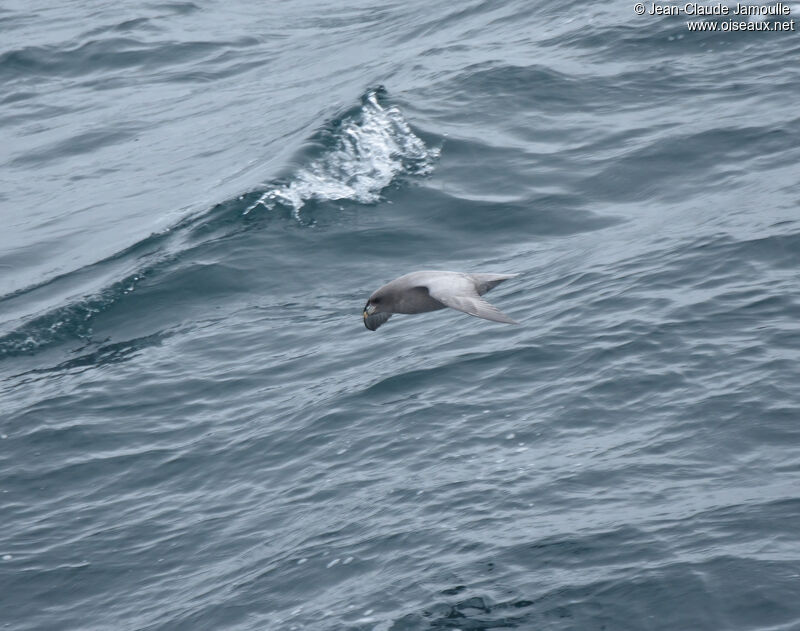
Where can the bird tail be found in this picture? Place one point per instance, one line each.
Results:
(485, 282)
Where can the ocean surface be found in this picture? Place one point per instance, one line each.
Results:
(198, 432)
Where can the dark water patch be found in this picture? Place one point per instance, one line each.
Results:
(619, 602)
(134, 24)
(475, 613)
(146, 24)
(503, 90)
(780, 250)
(10, 20)
(73, 321)
(450, 20)
(503, 222)
(93, 355)
(86, 142)
(68, 323)
(34, 114)
(765, 530)
(605, 550)
(653, 171)
(528, 87)
(476, 169)
(228, 68)
(180, 8)
(15, 97)
(347, 19)
(160, 293)
(105, 55)
(223, 66)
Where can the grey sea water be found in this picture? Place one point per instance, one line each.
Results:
(196, 429)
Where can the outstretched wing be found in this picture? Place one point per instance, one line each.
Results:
(373, 321)
(459, 292)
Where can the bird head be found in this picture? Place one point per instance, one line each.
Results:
(376, 311)
(373, 305)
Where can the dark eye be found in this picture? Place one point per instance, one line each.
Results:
(375, 301)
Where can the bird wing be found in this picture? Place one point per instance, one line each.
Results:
(459, 292)
(373, 321)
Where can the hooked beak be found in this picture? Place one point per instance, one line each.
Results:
(374, 317)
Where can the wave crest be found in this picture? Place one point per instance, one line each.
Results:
(369, 150)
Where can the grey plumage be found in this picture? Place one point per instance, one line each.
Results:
(419, 292)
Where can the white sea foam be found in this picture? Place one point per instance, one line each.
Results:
(370, 150)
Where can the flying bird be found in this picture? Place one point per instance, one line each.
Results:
(423, 291)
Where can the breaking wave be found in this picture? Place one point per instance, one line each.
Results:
(366, 152)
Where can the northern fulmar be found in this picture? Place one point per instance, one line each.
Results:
(423, 291)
